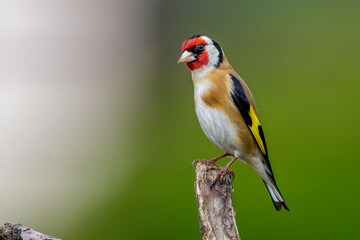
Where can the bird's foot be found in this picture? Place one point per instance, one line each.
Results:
(203, 161)
(209, 162)
(223, 171)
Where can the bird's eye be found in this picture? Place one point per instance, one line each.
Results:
(199, 48)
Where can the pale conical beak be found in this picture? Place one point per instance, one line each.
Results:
(187, 56)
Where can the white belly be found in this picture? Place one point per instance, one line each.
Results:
(215, 124)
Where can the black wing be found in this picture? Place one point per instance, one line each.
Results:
(251, 119)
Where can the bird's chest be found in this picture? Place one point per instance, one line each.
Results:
(214, 122)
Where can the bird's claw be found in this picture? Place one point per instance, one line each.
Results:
(194, 163)
(221, 174)
(203, 161)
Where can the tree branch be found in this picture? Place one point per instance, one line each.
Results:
(19, 232)
(215, 206)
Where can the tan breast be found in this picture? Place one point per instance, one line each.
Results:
(218, 97)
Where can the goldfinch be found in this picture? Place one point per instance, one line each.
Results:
(226, 110)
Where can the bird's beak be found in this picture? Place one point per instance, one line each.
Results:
(187, 56)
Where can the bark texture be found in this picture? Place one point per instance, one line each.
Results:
(215, 206)
(19, 232)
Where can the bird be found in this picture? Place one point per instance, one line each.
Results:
(227, 112)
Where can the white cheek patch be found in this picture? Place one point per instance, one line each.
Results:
(213, 55)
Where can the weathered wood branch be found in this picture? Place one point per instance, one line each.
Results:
(19, 232)
(215, 206)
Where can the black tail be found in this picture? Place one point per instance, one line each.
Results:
(276, 196)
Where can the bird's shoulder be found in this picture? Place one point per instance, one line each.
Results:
(244, 101)
(217, 87)
(223, 80)
(236, 80)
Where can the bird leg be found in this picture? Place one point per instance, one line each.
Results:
(209, 162)
(223, 171)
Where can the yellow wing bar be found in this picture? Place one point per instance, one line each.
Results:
(255, 129)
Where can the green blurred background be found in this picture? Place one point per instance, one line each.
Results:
(301, 61)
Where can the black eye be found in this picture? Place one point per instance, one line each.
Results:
(199, 48)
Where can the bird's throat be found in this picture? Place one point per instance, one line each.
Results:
(201, 61)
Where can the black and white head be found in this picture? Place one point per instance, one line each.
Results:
(201, 54)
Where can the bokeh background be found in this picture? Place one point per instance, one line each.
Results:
(98, 129)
